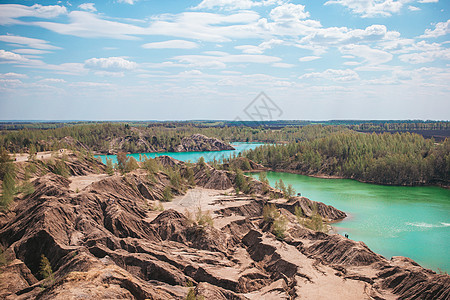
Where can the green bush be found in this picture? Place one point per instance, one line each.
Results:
(131, 165)
(45, 269)
(279, 222)
(109, 167)
(167, 194)
(151, 165)
(270, 212)
(8, 186)
(279, 227)
(204, 218)
(315, 223)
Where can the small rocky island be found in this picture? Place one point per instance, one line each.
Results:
(173, 230)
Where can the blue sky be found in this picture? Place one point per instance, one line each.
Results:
(160, 60)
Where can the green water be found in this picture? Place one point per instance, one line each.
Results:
(406, 221)
(191, 156)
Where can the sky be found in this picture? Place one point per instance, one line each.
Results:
(209, 59)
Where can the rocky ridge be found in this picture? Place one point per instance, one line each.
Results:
(195, 142)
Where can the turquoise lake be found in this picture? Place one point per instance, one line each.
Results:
(393, 221)
(406, 221)
(191, 156)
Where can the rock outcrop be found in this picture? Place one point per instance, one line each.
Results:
(104, 243)
(200, 142)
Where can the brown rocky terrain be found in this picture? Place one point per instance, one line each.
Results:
(103, 242)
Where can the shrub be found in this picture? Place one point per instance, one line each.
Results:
(167, 194)
(121, 161)
(190, 176)
(270, 213)
(157, 206)
(131, 165)
(201, 162)
(279, 227)
(290, 192)
(279, 222)
(241, 182)
(60, 168)
(8, 186)
(151, 165)
(45, 269)
(26, 188)
(175, 177)
(315, 223)
(204, 218)
(109, 167)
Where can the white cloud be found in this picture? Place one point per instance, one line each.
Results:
(88, 7)
(234, 4)
(323, 38)
(193, 25)
(92, 84)
(191, 73)
(131, 2)
(110, 64)
(282, 65)
(220, 59)
(371, 8)
(371, 56)
(331, 74)
(413, 8)
(30, 42)
(440, 29)
(251, 49)
(426, 56)
(428, 1)
(30, 51)
(86, 24)
(12, 57)
(288, 12)
(351, 63)
(13, 75)
(52, 80)
(308, 58)
(9, 13)
(173, 44)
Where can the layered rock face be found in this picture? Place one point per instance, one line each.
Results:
(104, 243)
(195, 142)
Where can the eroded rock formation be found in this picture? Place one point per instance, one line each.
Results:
(104, 243)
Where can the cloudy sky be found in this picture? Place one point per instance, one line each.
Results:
(179, 59)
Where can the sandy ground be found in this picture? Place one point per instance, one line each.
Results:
(21, 157)
(81, 182)
(208, 200)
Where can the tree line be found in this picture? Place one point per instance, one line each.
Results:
(393, 159)
(101, 137)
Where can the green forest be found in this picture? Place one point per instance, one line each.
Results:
(392, 159)
(336, 150)
(123, 137)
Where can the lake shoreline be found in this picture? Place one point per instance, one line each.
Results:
(326, 176)
(391, 220)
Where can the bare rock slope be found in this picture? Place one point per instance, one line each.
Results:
(104, 243)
